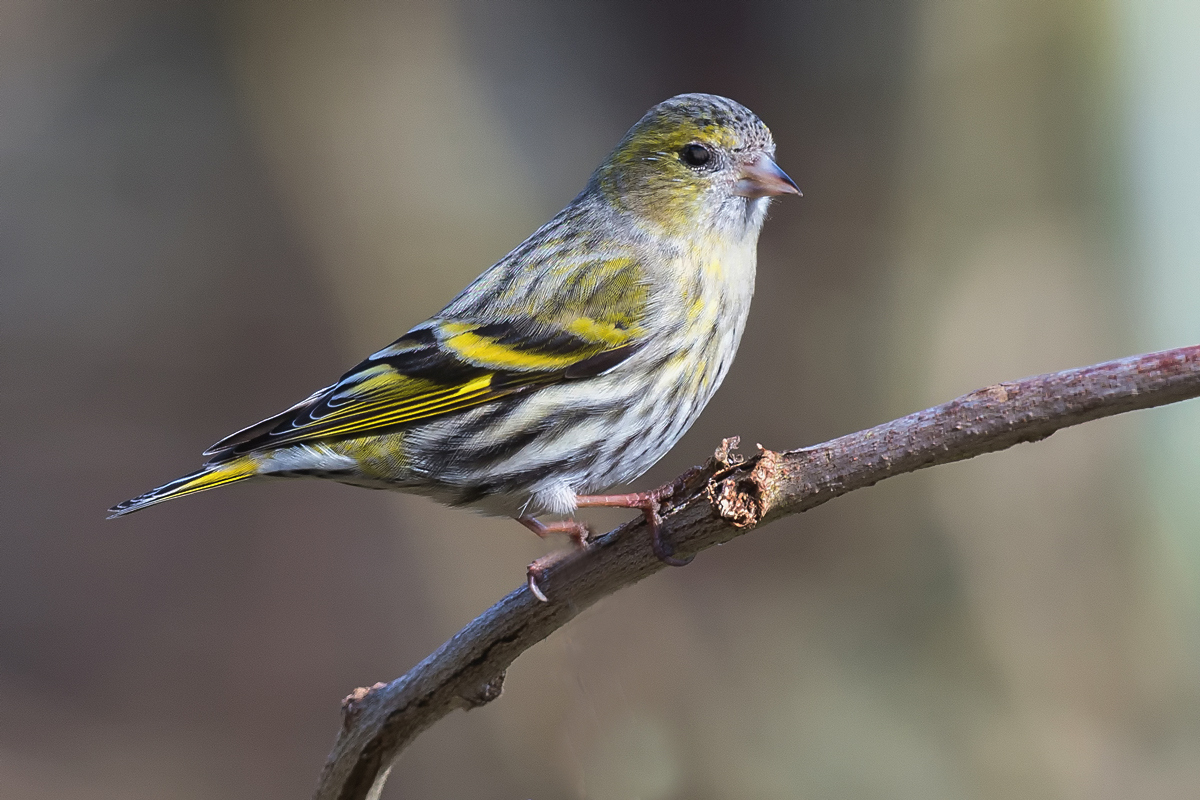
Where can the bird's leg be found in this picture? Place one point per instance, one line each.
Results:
(579, 533)
(650, 503)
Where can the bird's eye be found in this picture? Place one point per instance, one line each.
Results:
(695, 155)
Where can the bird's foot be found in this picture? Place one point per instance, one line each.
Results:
(650, 503)
(579, 533)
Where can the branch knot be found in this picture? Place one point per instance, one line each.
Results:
(352, 703)
(743, 501)
(484, 693)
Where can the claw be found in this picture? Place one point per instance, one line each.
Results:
(579, 533)
(531, 579)
(665, 555)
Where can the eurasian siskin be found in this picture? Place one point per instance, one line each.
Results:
(573, 364)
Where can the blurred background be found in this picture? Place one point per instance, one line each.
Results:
(208, 210)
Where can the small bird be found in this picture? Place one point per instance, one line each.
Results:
(571, 365)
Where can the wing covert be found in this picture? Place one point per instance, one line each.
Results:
(437, 369)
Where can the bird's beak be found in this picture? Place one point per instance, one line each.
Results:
(762, 177)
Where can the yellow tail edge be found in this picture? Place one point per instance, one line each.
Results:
(208, 478)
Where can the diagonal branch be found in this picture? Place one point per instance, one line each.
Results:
(725, 499)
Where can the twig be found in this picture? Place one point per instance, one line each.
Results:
(725, 499)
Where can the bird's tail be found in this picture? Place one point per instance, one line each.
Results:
(210, 477)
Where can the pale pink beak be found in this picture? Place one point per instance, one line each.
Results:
(762, 177)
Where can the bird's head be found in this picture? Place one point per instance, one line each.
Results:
(696, 161)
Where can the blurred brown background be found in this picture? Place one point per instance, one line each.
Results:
(209, 210)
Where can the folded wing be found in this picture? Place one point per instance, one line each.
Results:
(447, 366)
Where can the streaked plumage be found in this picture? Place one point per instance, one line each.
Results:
(574, 363)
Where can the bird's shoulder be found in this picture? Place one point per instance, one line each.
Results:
(587, 263)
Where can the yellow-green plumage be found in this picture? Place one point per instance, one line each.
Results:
(571, 365)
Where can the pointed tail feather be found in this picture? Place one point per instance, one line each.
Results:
(208, 478)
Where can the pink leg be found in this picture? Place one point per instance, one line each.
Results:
(650, 503)
(578, 532)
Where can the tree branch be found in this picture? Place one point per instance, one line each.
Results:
(723, 500)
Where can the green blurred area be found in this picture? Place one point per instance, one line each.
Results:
(209, 210)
